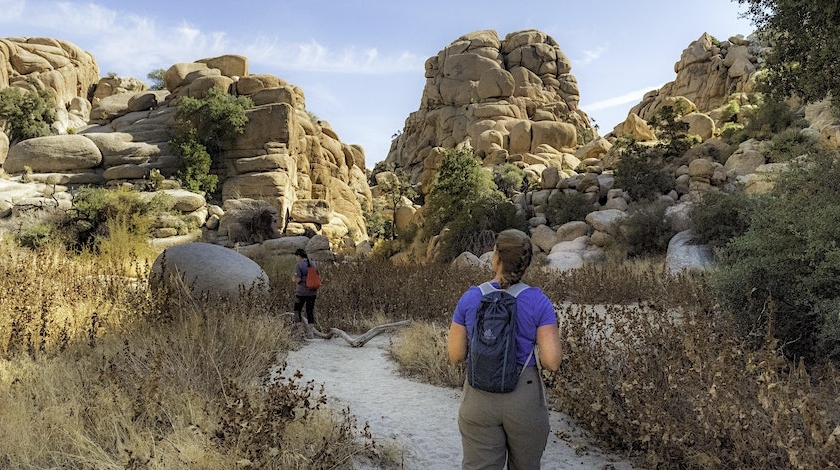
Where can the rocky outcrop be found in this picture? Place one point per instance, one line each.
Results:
(48, 64)
(286, 157)
(514, 100)
(709, 74)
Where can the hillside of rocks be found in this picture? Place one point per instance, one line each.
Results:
(113, 131)
(515, 101)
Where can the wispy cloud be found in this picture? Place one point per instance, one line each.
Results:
(313, 56)
(134, 45)
(590, 55)
(629, 97)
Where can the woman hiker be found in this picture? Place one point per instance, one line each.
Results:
(304, 295)
(508, 428)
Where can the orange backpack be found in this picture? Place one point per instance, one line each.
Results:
(313, 278)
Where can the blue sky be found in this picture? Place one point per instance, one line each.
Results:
(360, 63)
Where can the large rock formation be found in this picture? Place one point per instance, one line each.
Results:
(514, 99)
(48, 64)
(709, 74)
(286, 157)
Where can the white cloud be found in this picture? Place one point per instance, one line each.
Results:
(590, 55)
(316, 57)
(133, 45)
(629, 97)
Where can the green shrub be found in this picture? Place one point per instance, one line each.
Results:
(509, 178)
(26, 114)
(719, 217)
(459, 182)
(647, 230)
(196, 161)
(36, 235)
(475, 231)
(786, 268)
(730, 111)
(567, 207)
(641, 173)
(96, 211)
(765, 120)
(789, 144)
(202, 126)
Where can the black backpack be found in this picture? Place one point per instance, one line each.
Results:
(491, 357)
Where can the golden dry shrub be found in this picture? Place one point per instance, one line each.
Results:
(420, 351)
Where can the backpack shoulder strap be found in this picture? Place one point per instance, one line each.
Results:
(517, 289)
(487, 288)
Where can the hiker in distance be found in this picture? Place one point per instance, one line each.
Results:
(307, 281)
(503, 418)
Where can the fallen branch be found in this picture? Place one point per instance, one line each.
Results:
(360, 341)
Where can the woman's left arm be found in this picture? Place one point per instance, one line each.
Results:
(551, 353)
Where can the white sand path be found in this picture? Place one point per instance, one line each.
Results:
(421, 418)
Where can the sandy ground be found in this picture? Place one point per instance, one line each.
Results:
(420, 418)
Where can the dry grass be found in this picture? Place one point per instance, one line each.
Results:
(97, 372)
(420, 350)
(656, 373)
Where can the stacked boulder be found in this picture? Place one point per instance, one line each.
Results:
(514, 100)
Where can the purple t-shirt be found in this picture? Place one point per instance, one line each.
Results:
(533, 310)
(300, 272)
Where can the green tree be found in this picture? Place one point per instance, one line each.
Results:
(641, 173)
(156, 77)
(464, 199)
(785, 269)
(459, 182)
(202, 126)
(26, 114)
(805, 40)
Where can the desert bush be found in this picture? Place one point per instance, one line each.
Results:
(26, 114)
(768, 118)
(647, 229)
(680, 389)
(114, 224)
(459, 183)
(789, 256)
(719, 217)
(475, 230)
(420, 350)
(464, 200)
(356, 291)
(566, 207)
(789, 144)
(136, 380)
(642, 174)
(509, 178)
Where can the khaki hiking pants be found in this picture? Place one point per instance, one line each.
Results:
(499, 428)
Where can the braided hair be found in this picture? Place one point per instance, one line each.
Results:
(514, 251)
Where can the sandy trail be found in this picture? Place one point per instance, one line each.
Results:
(421, 418)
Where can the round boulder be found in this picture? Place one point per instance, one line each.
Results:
(207, 269)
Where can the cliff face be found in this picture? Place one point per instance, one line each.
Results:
(509, 98)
